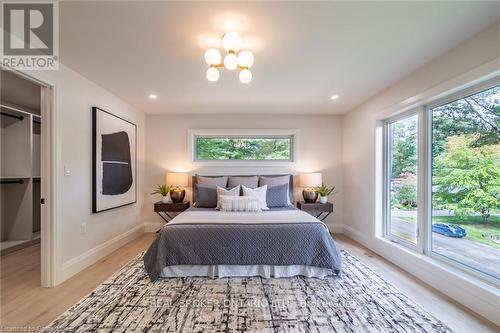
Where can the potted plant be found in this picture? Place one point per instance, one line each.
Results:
(164, 190)
(324, 191)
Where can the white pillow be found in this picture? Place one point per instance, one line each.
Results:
(234, 192)
(259, 192)
(239, 204)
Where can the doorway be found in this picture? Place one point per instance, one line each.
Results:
(26, 106)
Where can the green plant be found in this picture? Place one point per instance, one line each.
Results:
(324, 190)
(164, 190)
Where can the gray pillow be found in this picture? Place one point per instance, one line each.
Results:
(277, 180)
(213, 181)
(206, 196)
(248, 181)
(277, 196)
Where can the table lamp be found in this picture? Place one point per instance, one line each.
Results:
(177, 181)
(309, 181)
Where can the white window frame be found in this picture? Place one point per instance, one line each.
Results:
(387, 164)
(424, 178)
(428, 243)
(193, 134)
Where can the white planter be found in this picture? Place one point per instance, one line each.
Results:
(323, 199)
(165, 199)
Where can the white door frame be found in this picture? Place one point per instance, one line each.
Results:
(50, 262)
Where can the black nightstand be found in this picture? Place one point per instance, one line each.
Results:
(318, 210)
(173, 207)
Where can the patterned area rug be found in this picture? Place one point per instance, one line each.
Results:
(358, 301)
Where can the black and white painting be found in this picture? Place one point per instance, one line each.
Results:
(114, 161)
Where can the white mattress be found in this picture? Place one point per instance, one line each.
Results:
(265, 271)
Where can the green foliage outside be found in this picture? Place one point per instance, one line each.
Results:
(405, 196)
(404, 148)
(211, 148)
(467, 178)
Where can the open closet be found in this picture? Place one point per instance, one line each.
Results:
(20, 136)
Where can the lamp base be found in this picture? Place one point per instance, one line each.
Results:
(177, 195)
(309, 196)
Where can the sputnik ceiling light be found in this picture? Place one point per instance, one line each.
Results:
(243, 60)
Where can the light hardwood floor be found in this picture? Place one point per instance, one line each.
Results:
(23, 303)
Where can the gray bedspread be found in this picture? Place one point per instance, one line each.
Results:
(242, 244)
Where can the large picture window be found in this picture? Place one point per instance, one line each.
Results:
(458, 149)
(466, 181)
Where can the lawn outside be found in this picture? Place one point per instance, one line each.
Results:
(476, 230)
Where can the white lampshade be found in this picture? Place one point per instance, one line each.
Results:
(231, 41)
(245, 59)
(311, 179)
(213, 57)
(231, 61)
(212, 74)
(245, 76)
(177, 179)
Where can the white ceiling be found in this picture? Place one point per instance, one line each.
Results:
(304, 52)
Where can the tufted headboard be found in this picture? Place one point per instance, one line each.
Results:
(195, 182)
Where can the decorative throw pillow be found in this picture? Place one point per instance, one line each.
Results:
(259, 193)
(248, 181)
(214, 181)
(239, 204)
(234, 192)
(206, 196)
(277, 196)
(277, 180)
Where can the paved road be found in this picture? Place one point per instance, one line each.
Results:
(465, 251)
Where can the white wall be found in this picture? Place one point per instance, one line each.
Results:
(319, 149)
(105, 231)
(474, 59)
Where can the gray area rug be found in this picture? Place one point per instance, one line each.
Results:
(357, 301)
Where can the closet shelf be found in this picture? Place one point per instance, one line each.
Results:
(18, 110)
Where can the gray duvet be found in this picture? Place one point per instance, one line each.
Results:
(279, 243)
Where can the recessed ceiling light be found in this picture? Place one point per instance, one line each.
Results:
(334, 97)
(153, 96)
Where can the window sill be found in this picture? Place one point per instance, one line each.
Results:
(470, 291)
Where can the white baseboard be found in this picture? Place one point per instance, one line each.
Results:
(336, 228)
(75, 265)
(469, 291)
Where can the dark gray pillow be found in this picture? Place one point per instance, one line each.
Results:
(213, 181)
(248, 181)
(277, 180)
(206, 196)
(277, 196)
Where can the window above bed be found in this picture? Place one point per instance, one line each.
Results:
(243, 146)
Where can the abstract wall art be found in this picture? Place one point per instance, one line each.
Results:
(114, 161)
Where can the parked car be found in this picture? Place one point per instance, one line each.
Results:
(449, 230)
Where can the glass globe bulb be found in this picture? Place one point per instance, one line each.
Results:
(245, 76)
(231, 61)
(212, 74)
(212, 57)
(245, 59)
(231, 41)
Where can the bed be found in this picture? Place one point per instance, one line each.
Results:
(280, 242)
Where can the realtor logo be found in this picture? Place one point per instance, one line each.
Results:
(30, 37)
